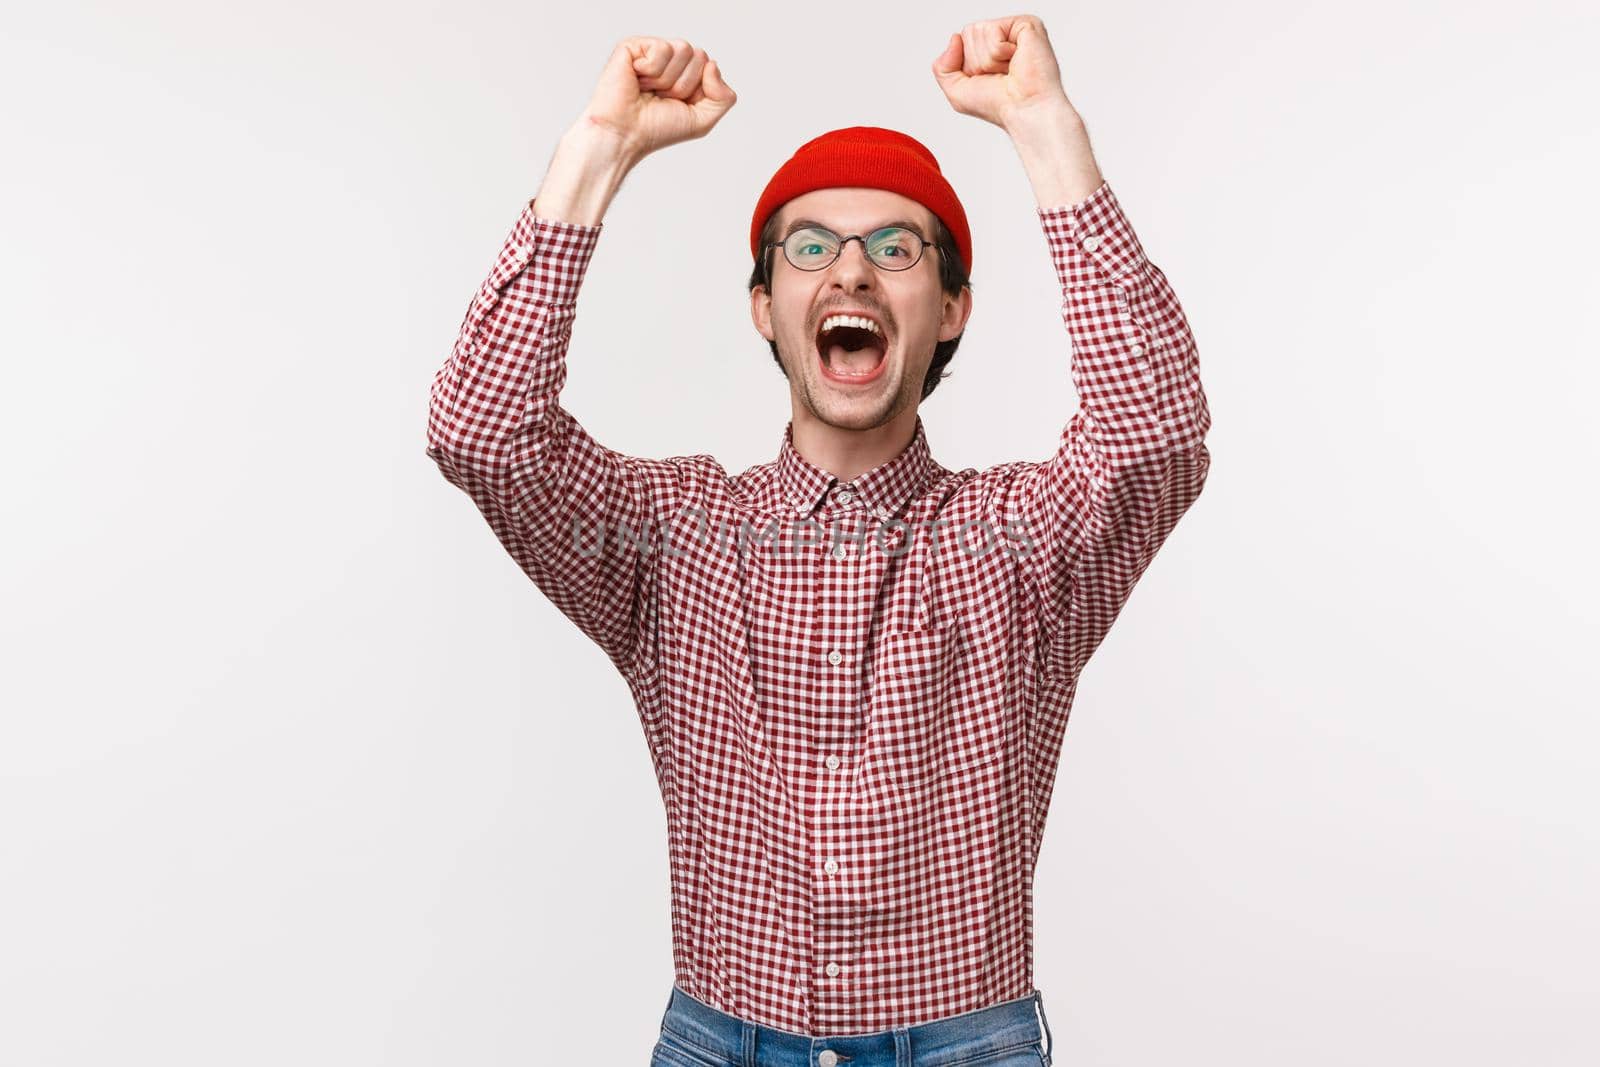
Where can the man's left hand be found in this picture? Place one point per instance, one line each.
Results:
(1000, 70)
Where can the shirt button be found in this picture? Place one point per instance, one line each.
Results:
(1138, 350)
(827, 1058)
(882, 513)
(832, 969)
(833, 763)
(801, 509)
(840, 552)
(836, 657)
(832, 867)
(1091, 242)
(845, 496)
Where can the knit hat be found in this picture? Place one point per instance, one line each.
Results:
(868, 156)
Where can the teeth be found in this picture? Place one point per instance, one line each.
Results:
(857, 321)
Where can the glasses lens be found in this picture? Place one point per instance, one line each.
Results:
(893, 248)
(811, 248)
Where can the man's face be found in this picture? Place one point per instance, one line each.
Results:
(871, 385)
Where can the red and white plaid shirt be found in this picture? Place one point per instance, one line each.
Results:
(854, 711)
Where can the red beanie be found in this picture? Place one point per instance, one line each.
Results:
(872, 157)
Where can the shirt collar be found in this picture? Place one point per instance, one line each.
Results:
(883, 490)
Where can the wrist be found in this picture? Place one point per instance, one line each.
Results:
(1053, 144)
(605, 145)
(1034, 126)
(589, 165)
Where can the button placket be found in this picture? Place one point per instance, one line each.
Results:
(851, 526)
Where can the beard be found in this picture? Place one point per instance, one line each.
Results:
(864, 407)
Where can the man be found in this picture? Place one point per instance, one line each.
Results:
(852, 665)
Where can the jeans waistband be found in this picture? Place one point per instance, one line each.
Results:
(1012, 1025)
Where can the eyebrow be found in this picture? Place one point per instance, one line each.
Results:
(800, 224)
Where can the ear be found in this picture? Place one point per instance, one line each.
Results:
(761, 312)
(956, 312)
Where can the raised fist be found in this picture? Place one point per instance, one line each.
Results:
(998, 69)
(654, 92)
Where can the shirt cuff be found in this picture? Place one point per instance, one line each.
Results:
(1092, 242)
(550, 256)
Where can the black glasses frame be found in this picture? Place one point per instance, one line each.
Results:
(784, 244)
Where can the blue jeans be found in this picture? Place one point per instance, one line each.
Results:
(1009, 1034)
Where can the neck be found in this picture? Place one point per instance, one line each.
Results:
(847, 453)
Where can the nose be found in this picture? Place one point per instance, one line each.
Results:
(853, 270)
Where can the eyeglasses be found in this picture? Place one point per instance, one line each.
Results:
(889, 248)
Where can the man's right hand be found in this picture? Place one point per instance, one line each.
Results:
(655, 92)
(652, 93)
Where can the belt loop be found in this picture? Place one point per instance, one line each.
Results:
(902, 1046)
(1049, 1041)
(747, 1039)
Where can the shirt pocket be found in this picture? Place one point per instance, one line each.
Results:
(911, 674)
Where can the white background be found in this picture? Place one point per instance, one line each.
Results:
(298, 768)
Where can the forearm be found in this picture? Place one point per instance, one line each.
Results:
(585, 173)
(566, 508)
(1132, 458)
(1135, 365)
(1053, 144)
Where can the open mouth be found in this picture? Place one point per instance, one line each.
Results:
(851, 353)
